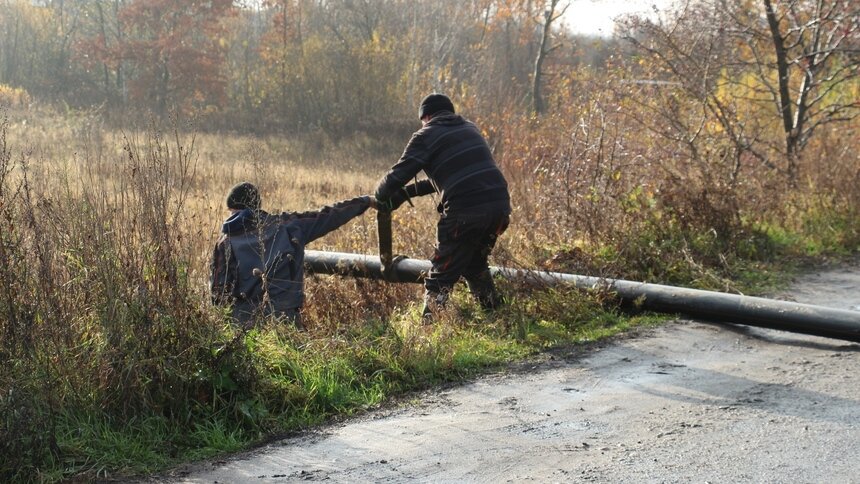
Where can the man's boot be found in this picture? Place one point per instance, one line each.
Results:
(484, 290)
(433, 303)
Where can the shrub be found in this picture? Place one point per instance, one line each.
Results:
(13, 97)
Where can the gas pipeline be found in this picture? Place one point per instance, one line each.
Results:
(699, 304)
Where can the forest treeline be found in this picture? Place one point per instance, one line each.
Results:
(768, 73)
(288, 64)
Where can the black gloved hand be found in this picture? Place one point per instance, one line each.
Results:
(382, 205)
(399, 197)
(393, 203)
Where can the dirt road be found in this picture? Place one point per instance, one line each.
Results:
(687, 402)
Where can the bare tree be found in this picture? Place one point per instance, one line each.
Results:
(550, 15)
(798, 56)
(817, 41)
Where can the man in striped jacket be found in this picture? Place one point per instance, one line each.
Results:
(475, 204)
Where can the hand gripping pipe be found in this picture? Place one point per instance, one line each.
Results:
(705, 305)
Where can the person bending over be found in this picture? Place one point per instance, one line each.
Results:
(475, 204)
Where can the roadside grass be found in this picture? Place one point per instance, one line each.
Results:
(95, 446)
(304, 379)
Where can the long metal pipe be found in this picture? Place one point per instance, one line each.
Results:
(705, 305)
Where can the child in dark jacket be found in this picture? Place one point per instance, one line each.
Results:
(258, 263)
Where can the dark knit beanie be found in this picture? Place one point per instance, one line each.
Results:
(244, 195)
(434, 103)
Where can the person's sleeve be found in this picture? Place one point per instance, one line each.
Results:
(315, 224)
(222, 278)
(411, 162)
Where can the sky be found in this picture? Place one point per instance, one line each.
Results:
(594, 17)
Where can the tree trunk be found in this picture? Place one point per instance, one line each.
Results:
(537, 97)
(106, 71)
(12, 56)
(784, 95)
(284, 46)
(120, 80)
(163, 89)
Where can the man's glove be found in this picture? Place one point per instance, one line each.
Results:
(373, 202)
(396, 200)
(383, 205)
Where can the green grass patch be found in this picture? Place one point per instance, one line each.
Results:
(300, 379)
(95, 446)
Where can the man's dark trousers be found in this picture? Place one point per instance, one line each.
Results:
(464, 243)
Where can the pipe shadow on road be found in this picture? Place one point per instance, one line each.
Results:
(786, 338)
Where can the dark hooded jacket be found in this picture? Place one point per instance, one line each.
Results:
(258, 264)
(458, 163)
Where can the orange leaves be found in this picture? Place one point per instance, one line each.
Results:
(13, 96)
(177, 51)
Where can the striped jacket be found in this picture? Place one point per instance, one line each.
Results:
(458, 163)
